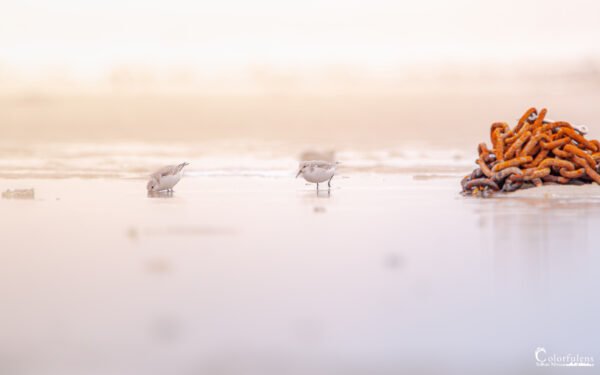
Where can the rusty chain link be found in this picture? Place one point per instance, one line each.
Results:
(535, 152)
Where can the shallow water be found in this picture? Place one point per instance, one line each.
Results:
(224, 159)
(261, 275)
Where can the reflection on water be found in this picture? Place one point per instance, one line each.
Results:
(310, 195)
(160, 194)
(167, 329)
(536, 241)
(158, 266)
(254, 275)
(133, 233)
(186, 230)
(394, 261)
(324, 193)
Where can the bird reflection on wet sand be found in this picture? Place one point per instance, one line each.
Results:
(160, 194)
(235, 266)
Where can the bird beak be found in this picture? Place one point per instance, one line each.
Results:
(299, 173)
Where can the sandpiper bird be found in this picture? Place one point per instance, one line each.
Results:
(317, 171)
(165, 178)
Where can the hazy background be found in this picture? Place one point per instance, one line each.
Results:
(246, 270)
(336, 73)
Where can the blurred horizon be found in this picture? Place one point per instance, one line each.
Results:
(319, 80)
(377, 73)
(235, 46)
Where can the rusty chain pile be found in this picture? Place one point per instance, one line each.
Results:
(536, 151)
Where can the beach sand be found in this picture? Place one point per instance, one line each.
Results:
(385, 274)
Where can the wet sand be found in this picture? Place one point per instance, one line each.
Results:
(386, 274)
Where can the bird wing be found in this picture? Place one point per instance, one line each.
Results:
(322, 164)
(164, 171)
(168, 170)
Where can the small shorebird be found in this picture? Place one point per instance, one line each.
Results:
(165, 178)
(317, 171)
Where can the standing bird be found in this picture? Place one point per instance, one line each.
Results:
(165, 178)
(317, 171)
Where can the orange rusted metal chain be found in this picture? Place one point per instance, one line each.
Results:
(556, 125)
(538, 173)
(557, 143)
(539, 121)
(537, 182)
(578, 138)
(578, 173)
(589, 171)
(535, 152)
(498, 143)
(559, 163)
(532, 144)
(503, 127)
(500, 176)
(481, 182)
(556, 179)
(582, 154)
(561, 153)
(512, 163)
(484, 152)
(484, 168)
(520, 137)
(512, 183)
(524, 118)
(538, 159)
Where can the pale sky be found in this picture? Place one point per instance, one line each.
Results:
(92, 37)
